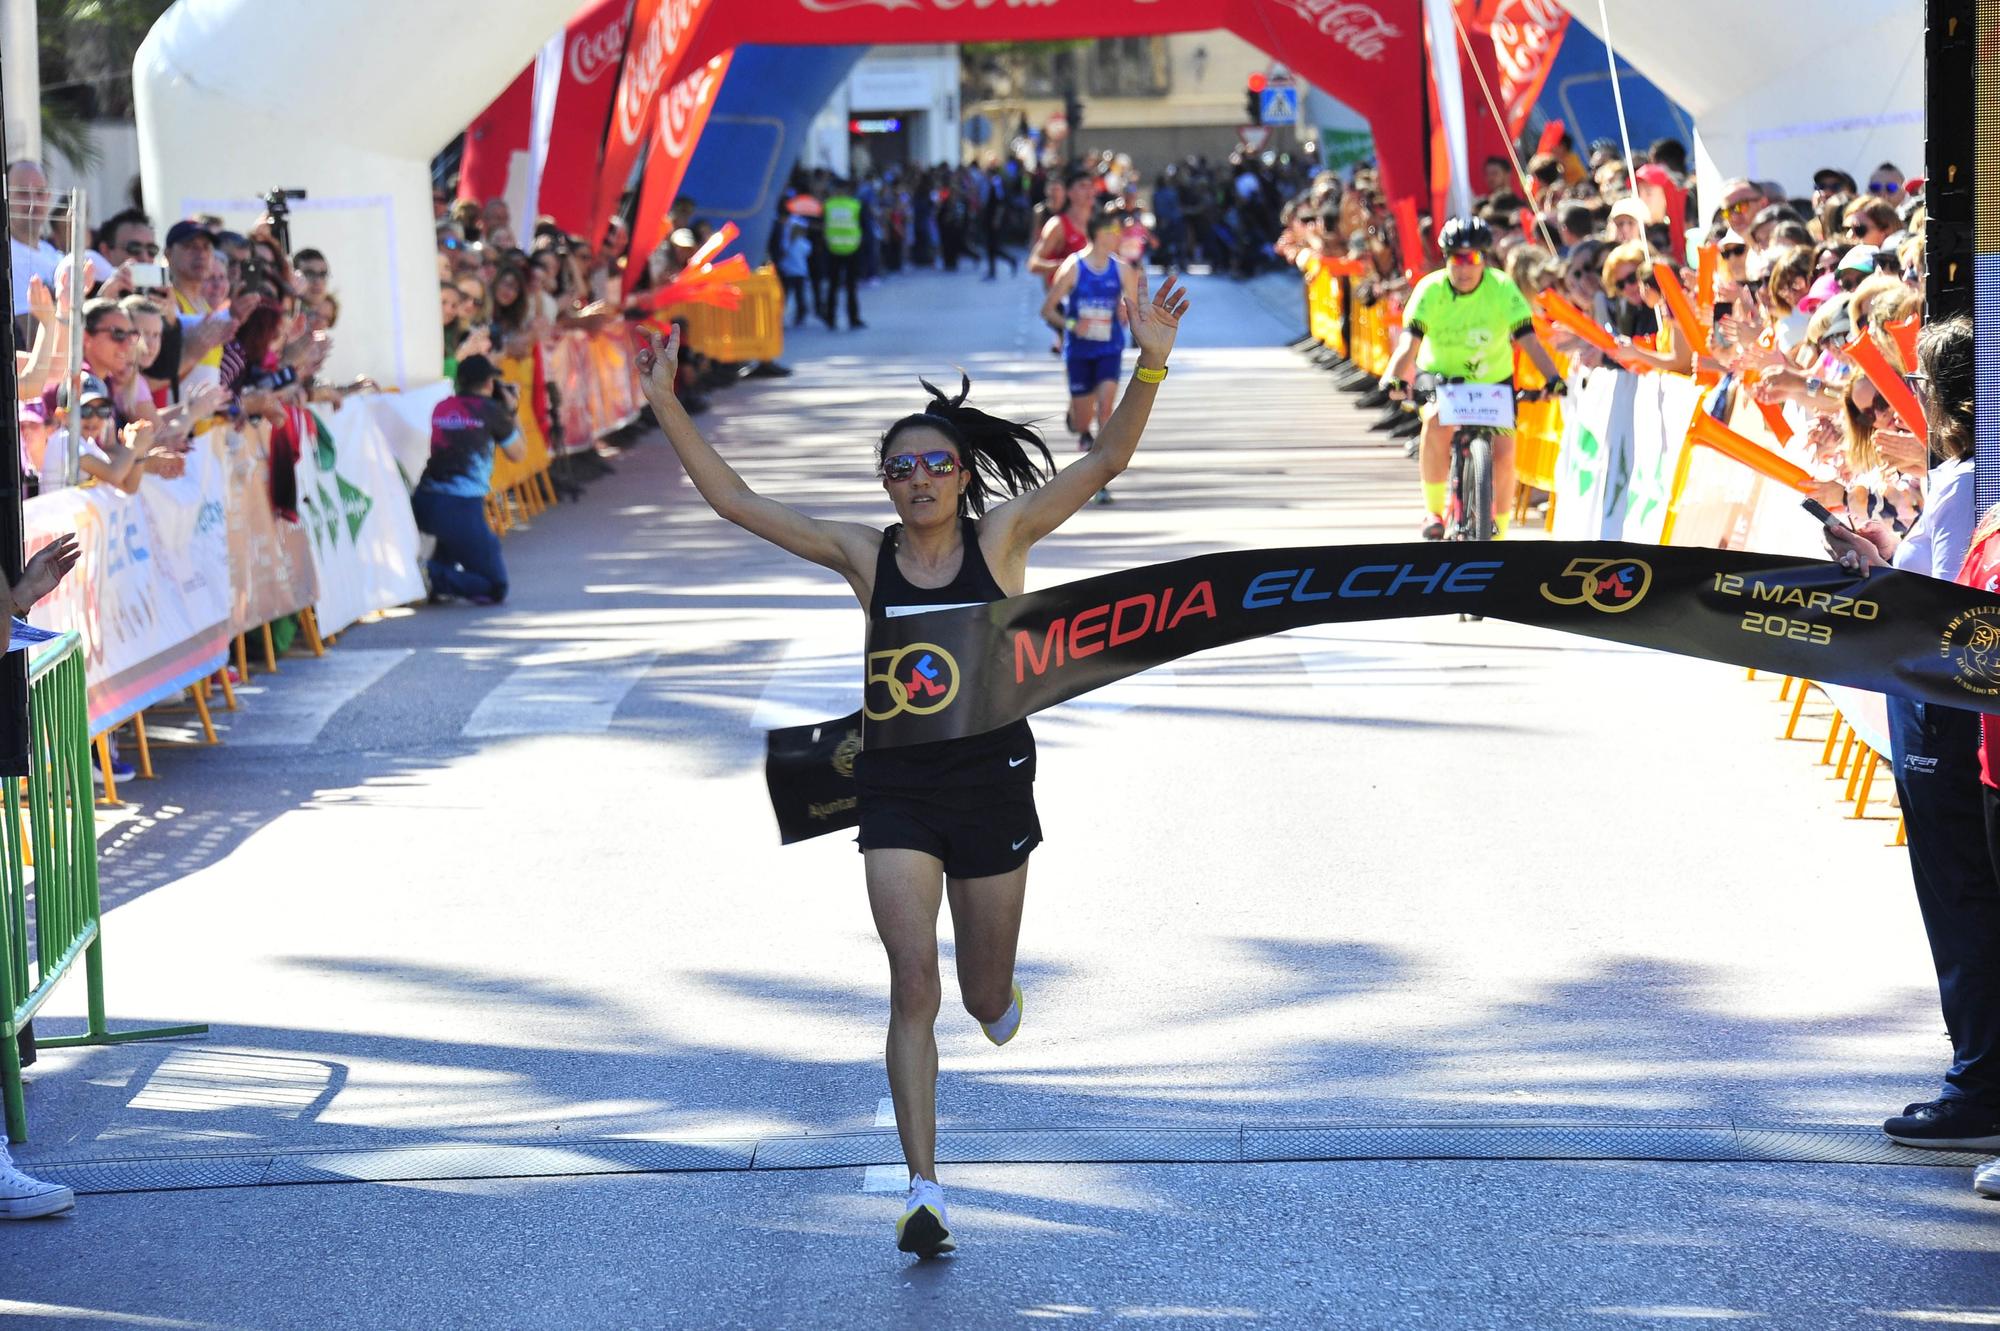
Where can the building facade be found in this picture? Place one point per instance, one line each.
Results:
(1159, 99)
(899, 107)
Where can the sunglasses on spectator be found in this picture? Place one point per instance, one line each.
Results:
(94, 410)
(1740, 206)
(1883, 187)
(904, 465)
(1630, 279)
(317, 274)
(139, 249)
(115, 334)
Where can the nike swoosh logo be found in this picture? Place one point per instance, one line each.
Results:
(1015, 762)
(1022, 842)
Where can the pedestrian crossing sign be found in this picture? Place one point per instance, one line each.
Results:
(1281, 106)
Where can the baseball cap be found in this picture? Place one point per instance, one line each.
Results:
(93, 388)
(1841, 328)
(32, 410)
(1737, 189)
(1860, 259)
(1634, 209)
(1734, 240)
(183, 231)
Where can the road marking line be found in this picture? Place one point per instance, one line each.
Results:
(571, 698)
(293, 707)
(885, 1178)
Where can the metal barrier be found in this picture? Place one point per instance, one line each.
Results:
(61, 830)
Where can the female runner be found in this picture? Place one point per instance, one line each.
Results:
(955, 818)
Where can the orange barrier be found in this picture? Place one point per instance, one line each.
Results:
(1326, 298)
(754, 330)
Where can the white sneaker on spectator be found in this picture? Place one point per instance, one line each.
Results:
(24, 1198)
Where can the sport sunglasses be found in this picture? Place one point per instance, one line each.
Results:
(904, 465)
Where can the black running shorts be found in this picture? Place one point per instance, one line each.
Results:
(978, 831)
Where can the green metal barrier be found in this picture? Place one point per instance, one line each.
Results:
(62, 838)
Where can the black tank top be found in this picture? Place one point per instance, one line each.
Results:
(999, 757)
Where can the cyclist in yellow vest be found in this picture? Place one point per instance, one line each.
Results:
(843, 253)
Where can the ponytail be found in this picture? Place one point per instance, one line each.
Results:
(995, 451)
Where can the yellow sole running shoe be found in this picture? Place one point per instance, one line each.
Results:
(922, 1230)
(1010, 1020)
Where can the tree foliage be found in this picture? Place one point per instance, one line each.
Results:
(87, 47)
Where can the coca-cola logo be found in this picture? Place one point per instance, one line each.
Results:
(646, 67)
(680, 109)
(942, 6)
(592, 53)
(1358, 27)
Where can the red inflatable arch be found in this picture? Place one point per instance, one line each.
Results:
(1369, 53)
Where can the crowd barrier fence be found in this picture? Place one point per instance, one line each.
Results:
(753, 331)
(51, 848)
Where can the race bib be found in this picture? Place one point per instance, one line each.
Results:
(1094, 321)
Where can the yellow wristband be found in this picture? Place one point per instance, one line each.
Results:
(1146, 376)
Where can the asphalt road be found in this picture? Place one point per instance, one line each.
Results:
(506, 878)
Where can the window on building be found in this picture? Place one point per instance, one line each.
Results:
(1129, 67)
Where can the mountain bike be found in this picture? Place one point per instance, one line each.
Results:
(1481, 413)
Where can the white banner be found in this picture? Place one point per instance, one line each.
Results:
(1622, 440)
(153, 621)
(353, 501)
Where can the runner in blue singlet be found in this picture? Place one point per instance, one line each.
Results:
(1085, 303)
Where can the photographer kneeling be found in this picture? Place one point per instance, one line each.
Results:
(450, 500)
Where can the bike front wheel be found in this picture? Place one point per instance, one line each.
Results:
(1478, 496)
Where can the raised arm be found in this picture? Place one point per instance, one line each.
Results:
(1020, 522)
(848, 548)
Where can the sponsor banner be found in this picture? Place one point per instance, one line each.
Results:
(356, 511)
(656, 59)
(593, 51)
(952, 673)
(142, 642)
(1526, 36)
(677, 124)
(189, 516)
(1621, 444)
(271, 571)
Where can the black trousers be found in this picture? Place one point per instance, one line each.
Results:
(843, 270)
(1954, 840)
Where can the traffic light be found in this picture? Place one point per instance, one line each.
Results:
(1253, 100)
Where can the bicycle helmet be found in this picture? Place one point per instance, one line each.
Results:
(1465, 233)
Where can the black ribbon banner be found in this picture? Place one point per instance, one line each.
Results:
(952, 673)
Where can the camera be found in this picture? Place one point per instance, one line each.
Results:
(277, 203)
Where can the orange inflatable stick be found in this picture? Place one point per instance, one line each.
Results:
(1905, 332)
(1712, 433)
(1560, 311)
(1677, 304)
(1888, 383)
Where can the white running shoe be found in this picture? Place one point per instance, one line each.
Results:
(1986, 1179)
(24, 1198)
(923, 1230)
